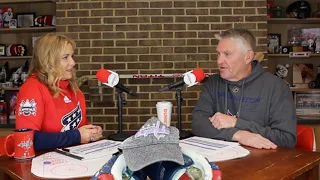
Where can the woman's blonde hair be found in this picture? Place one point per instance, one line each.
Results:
(46, 62)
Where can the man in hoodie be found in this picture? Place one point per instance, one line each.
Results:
(243, 103)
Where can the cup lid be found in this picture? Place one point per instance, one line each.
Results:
(164, 103)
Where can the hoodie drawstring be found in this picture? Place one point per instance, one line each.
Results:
(226, 99)
(217, 97)
(242, 92)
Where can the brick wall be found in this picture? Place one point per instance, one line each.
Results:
(147, 37)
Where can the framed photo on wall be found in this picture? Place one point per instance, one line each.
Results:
(2, 50)
(25, 19)
(13, 23)
(307, 104)
(274, 43)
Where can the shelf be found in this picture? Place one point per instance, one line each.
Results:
(304, 89)
(11, 89)
(23, 1)
(7, 125)
(308, 121)
(287, 55)
(14, 57)
(293, 21)
(28, 29)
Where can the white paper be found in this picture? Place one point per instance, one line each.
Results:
(214, 150)
(95, 149)
(59, 166)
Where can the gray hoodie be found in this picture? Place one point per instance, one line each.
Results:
(262, 103)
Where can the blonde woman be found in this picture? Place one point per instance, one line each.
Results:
(50, 102)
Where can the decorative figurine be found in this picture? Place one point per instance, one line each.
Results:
(3, 72)
(282, 71)
(7, 15)
(317, 45)
(1, 19)
(48, 20)
(16, 50)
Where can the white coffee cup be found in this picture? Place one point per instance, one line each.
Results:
(164, 110)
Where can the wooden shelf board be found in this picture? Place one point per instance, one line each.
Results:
(278, 55)
(28, 29)
(287, 55)
(11, 89)
(312, 121)
(7, 126)
(24, 1)
(14, 57)
(304, 89)
(293, 21)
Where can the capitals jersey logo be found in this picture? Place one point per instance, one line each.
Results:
(72, 119)
(28, 107)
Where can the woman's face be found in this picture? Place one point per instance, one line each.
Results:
(67, 62)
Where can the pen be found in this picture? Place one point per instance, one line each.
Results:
(68, 154)
(65, 149)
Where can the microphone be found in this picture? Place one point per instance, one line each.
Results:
(190, 78)
(111, 79)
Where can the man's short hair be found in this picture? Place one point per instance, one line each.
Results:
(245, 37)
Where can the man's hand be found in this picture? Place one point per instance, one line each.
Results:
(220, 121)
(90, 133)
(253, 140)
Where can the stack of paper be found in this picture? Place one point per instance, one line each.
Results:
(214, 150)
(95, 149)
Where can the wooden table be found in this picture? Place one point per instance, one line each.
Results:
(260, 164)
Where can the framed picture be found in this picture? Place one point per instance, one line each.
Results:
(274, 43)
(2, 50)
(13, 23)
(302, 74)
(307, 104)
(25, 19)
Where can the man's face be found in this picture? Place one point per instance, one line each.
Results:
(231, 60)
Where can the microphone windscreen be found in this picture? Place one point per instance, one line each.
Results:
(102, 75)
(199, 73)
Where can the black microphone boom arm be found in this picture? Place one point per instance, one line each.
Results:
(172, 85)
(126, 90)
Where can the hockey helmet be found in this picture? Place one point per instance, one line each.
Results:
(299, 9)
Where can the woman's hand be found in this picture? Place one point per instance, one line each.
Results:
(90, 133)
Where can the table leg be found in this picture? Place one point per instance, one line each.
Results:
(313, 174)
(4, 176)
